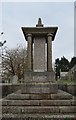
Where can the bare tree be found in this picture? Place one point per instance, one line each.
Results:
(14, 63)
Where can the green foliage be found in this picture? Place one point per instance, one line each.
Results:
(68, 82)
(72, 62)
(63, 65)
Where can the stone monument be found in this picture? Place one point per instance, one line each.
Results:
(39, 97)
(39, 57)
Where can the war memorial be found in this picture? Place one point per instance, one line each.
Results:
(39, 97)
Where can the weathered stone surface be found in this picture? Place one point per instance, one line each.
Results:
(38, 109)
(59, 96)
(39, 117)
(39, 54)
(40, 88)
(69, 109)
(18, 96)
(40, 77)
(29, 52)
(55, 102)
(38, 102)
(32, 109)
(34, 106)
(40, 36)
(49, 52)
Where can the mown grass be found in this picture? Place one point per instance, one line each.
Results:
(68, 82)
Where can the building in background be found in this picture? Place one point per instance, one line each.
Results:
(72, 73)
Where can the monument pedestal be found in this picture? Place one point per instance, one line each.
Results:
(50, 88)
(39, 77)
(40, 82)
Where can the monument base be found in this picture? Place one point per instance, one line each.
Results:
(39, 77)
(40, 82)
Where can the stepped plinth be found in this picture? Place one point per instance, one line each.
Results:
(35, 106)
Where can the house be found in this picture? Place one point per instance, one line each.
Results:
(63, 75)
(72, 73)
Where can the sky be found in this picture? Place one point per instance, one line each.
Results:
(25, 14)
(75, 29)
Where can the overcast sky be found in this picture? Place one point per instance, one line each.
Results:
(75, 29)
(19, 14)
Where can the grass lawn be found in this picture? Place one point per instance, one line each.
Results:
(68, 82)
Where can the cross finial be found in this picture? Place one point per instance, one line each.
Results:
(39, 23)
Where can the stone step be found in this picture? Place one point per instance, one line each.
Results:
(38, 109)
(38, 83)
(61, 95)
(10, 116)
(38, 103)
(40, 88)
(39, 80)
